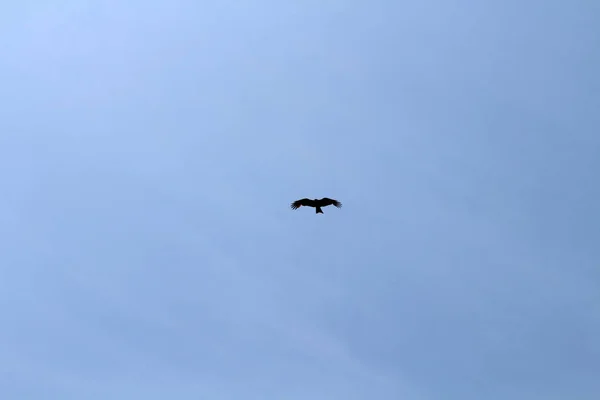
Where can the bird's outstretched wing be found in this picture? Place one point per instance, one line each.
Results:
(302, 202)
(327, 202)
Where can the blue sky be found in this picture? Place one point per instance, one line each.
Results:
(149, 152)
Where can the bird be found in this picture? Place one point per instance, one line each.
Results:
(324, 202)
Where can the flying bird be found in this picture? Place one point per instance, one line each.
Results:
(324, 202)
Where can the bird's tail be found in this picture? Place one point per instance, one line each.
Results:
(318, 210)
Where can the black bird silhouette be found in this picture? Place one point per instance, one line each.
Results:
(324, 202)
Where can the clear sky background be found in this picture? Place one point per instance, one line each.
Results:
(149, 151)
